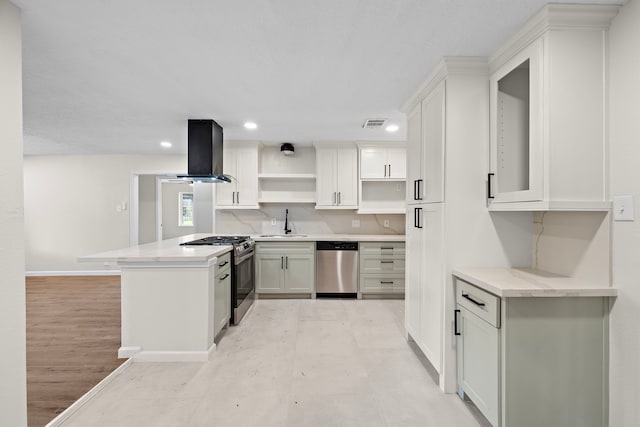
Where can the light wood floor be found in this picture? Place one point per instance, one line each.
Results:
(73, 336)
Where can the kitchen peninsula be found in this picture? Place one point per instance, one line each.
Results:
(169, 309)
(176, 299)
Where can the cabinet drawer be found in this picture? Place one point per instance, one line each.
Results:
(381, 284)
(381, 248)
(286, 247)
(481, 303)
(224, 263)
(223, 276)
(382, 265)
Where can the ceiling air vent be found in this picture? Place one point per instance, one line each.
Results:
(374, 123)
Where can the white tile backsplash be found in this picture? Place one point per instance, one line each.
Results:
(575, 244)
(305, 220)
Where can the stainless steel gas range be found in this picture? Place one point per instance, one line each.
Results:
(243, 276)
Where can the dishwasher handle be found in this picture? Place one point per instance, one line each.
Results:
(337, 246)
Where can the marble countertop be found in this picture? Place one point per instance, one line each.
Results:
(165, 251)
(524, 282)
(170, 250)
(329, 237)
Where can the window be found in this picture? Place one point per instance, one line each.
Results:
(185, 209)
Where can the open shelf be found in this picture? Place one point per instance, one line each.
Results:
(287, 176)
(382, 197)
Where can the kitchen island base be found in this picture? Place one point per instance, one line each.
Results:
(169, 311)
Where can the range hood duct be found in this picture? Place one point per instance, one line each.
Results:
(204, 152)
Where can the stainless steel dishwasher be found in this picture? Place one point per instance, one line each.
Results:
(337, 269)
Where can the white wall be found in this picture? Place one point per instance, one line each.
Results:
(624, 119)
(146, 208)
(70, 205)
(13, 388)
(170, 214)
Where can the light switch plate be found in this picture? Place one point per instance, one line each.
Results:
(623, 208)
(386, 223)
(355, 223)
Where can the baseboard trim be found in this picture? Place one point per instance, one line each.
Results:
(75, 406)
(174, 356)
(38, 273)
(127, 352)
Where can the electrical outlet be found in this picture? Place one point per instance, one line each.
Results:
(386, 223)
(355, 223)
(273, 221)
(399, 188)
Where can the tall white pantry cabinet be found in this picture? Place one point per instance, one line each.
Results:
(447, 221)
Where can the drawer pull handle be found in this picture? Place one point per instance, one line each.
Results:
(386, 262)
(386, 249)
(455, 322)
(224, 277)
(386, 282)
(478, 303)
(223, 264)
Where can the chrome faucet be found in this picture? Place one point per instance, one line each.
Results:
(287, 230)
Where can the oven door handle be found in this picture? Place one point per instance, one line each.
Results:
(244, 258)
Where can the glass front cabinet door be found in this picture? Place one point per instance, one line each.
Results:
(516, 173)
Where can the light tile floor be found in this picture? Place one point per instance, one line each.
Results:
(290, 363)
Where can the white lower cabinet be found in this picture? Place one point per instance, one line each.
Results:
(285, 268)
(381, 267)
(533, 361)
(425, 276)
(478, 367)
(222, 294)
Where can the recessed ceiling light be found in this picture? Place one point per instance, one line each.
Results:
(392, 128)
(250, 125)
(166, 144)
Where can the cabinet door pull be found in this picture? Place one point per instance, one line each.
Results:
(478, 303)
(238, 197)
(286, 263)
(339, 198)
(385, 170)
(415, 191)
(224, 277)
(223, 264)
(386, 282)
(386, 262)
(233, 198)
(281, 263)
(419, 196)
(489, 194)
(455, 322)
(417, 213)
(334, 197)
(389, 171)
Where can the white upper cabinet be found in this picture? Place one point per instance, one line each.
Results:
(548, 100)
(415, 168)
(431, 187)
(240, 161)
(337, 177)
(383, 174)
(383, 163)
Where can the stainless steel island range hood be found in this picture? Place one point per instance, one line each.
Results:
(204, 152)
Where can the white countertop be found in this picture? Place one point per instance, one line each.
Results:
(164, 251)
(524, 282)
(328, 237)
(171, 251)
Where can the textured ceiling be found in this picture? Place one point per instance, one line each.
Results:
(120, 76)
